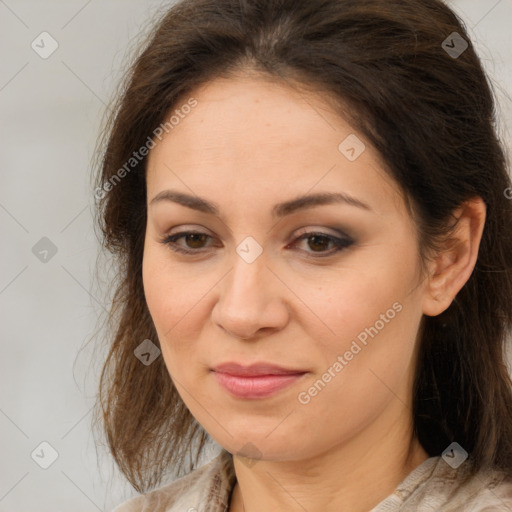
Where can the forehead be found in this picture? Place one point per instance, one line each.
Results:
(246, 113)
(254, 134)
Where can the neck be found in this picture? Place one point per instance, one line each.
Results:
(351, 477)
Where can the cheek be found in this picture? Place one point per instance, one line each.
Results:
(360, 299)
(373, 313)
(169, 292)
(378, 336)
(367, 365)
(177, 302)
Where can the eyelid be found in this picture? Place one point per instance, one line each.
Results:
(188, 228)
(321, 231)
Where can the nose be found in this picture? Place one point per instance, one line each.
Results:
(252, 301)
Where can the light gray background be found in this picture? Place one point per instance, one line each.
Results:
(51, 110)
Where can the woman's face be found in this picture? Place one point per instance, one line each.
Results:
(328, 291)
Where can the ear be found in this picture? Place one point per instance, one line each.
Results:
(454, 264)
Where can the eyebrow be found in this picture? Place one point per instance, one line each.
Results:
(279, 210)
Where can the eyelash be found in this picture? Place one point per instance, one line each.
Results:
(339, 243)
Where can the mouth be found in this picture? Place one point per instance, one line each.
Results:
(255, 381)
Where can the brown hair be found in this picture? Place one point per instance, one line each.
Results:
(429, 114)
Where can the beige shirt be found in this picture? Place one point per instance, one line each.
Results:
(433, 486)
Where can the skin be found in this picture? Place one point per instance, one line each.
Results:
(247, 145)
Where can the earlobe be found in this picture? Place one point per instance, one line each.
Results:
(452, 267)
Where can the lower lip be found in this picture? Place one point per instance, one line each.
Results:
(255, 387)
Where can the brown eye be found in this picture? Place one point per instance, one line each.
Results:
(194, 241)
(319, 243)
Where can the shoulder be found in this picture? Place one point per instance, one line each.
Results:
(487, 491)
(206, 488)
(435, 485)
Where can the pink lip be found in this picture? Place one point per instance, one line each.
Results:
(258, 380)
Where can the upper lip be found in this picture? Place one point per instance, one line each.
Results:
(254, 369)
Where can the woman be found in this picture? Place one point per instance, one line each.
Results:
(308, 203)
